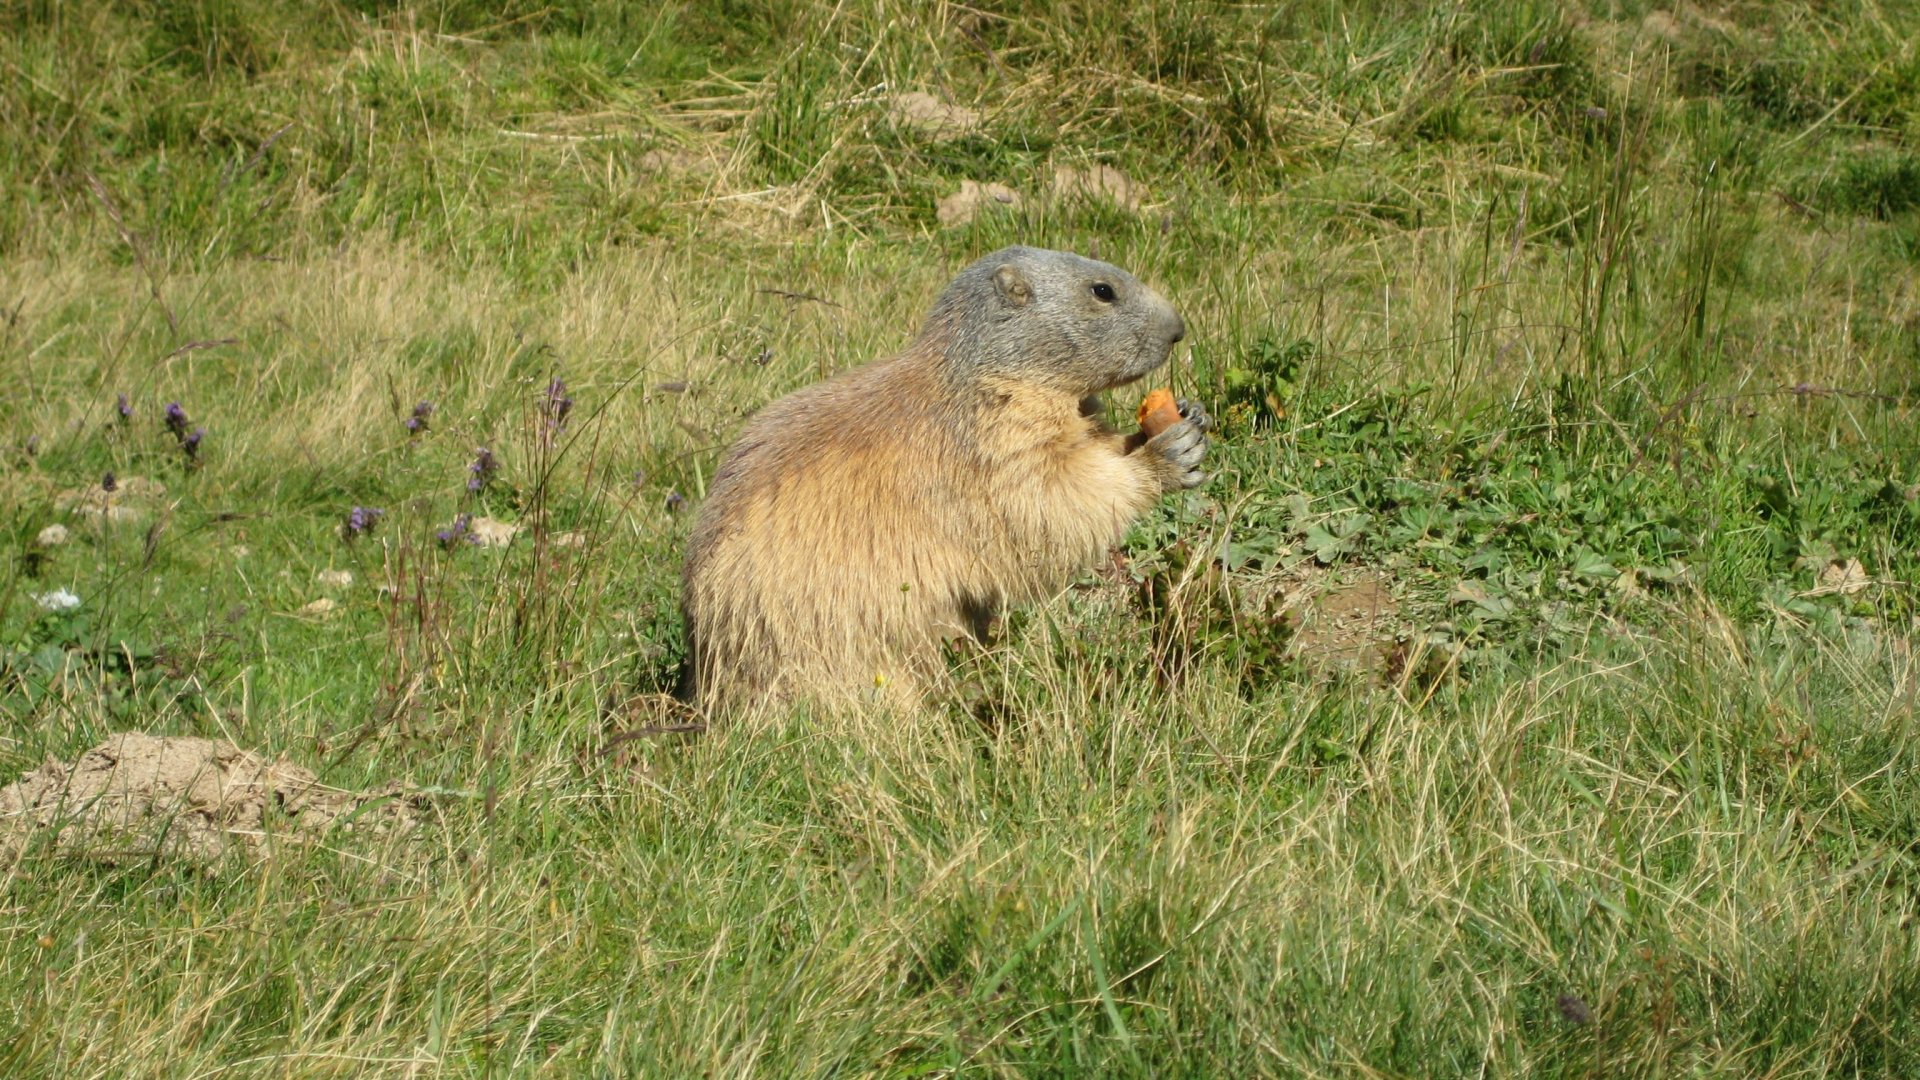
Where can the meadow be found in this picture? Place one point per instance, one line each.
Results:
(1531, 691)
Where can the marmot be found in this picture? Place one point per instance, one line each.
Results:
(860, 521)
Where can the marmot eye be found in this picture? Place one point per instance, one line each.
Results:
(1103, 292)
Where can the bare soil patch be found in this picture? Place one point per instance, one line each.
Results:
(1345, 622)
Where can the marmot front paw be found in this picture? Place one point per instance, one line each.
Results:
(1178, 451)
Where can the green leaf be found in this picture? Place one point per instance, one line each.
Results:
(1472, 591)
(1589, 564)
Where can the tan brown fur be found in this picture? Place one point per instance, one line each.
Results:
(859, 521)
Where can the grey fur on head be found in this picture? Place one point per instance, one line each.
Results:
(1055, 318)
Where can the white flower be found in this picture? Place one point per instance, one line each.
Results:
(51, 536)
(57, 600)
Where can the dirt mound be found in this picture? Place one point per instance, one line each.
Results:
(965, 205)
(1101, 182)
(137, 795)
(128, 499)
(921, 112)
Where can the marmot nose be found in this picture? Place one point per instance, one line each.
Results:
(1179, 329)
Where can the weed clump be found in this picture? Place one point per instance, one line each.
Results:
(1882, 185)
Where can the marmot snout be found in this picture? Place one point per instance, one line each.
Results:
(858, 522)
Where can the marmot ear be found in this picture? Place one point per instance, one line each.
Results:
(1013, 285)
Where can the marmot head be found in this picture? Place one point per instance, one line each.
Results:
(1075, 324)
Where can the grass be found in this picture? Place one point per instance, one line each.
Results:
(1589, 330)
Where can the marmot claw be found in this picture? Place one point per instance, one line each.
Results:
(1194, 414)
(1183, 446)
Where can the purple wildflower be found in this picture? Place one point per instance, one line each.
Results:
(481, 471)
(191, 444)
(176, 420)
(557, 406)
(360, 521)
(676, 502)
(458, 531)
(109, 483)
(125, 408)
(417, 423)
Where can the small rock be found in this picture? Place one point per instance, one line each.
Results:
(963, 206)
(322, 606)
(925, 114)
(52, 536)
(488, 533)
(334, 579)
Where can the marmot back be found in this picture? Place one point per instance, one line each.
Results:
(858, 522)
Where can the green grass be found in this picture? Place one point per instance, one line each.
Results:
(1590, 329)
